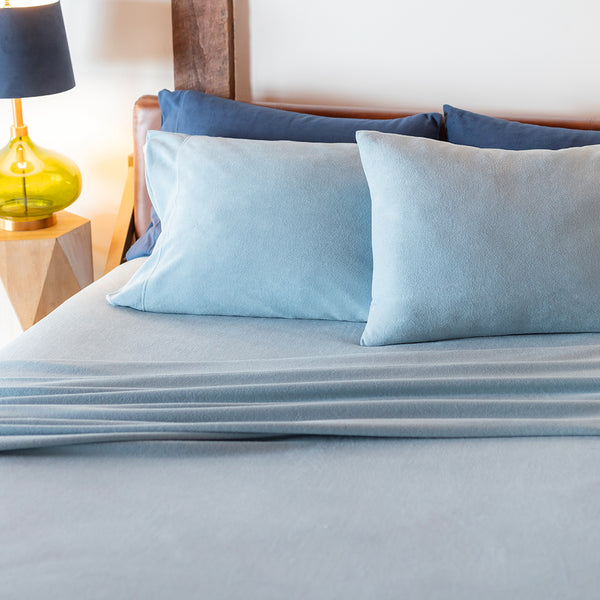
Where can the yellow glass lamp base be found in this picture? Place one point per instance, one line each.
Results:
(34, 184)
(31, 225)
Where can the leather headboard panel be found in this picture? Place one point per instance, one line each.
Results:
(146, 116)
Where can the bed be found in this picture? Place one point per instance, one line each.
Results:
(350, 400)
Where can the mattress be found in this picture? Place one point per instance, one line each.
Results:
(274, 458)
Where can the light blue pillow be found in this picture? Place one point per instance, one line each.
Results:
(481, 242)
(196, 113)
(256, 228)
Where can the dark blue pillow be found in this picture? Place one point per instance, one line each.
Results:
(472, 129)
(196, 113)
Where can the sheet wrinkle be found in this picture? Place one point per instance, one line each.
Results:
(308, 391)
(430, 398)
(237, 378)
(434, 428)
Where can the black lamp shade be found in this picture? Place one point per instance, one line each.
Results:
(34, 53)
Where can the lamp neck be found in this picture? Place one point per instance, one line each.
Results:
(18, 129)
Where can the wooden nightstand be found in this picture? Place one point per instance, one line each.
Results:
(41, 269)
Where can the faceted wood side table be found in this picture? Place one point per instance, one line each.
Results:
(41, 269)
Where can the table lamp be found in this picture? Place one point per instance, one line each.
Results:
(34, 61)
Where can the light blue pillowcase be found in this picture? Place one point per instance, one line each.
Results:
(196, 113)
(481, 242)
(256, 228)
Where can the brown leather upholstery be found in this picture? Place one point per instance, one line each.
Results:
(146, 115)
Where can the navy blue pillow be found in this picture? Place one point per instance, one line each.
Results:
(195, 113)
(472, 129)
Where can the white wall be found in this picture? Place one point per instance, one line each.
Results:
(509, 57)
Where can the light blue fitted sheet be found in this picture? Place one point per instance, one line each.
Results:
(293, 517)
(303, 519)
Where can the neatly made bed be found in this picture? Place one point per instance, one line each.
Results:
(213, 418)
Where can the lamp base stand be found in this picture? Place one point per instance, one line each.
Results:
(13, 225)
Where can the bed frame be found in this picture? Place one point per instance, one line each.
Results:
(204, 59)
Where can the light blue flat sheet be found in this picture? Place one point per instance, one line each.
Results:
(127, 376)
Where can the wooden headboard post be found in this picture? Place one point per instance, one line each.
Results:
(203, 46)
